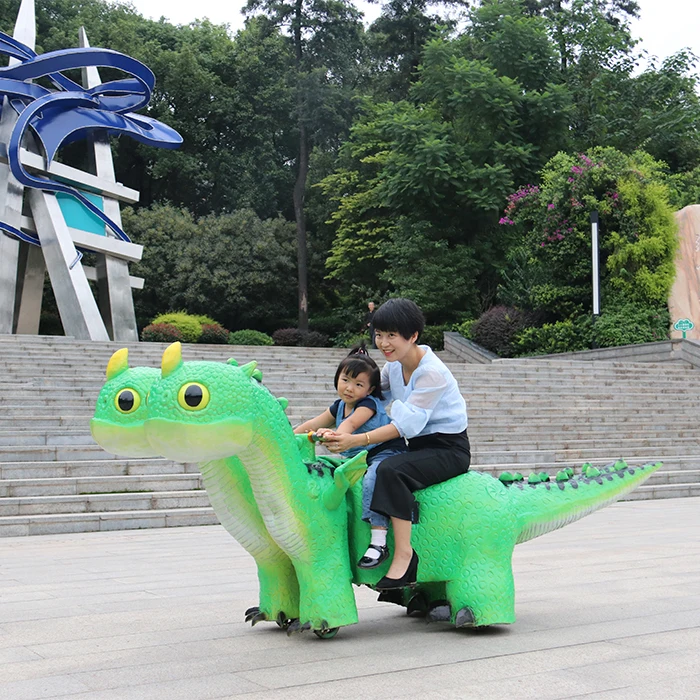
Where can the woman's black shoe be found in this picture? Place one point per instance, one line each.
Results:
(370, 563)
(408, 579)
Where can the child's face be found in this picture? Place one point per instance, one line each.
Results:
(354, 389)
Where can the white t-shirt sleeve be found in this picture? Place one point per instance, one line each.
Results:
(412, 415)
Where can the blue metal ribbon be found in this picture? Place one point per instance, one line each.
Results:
(71, 112)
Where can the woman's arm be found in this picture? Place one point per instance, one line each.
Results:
(340, 442)
(324, 420)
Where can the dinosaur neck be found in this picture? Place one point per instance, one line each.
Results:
(277, 478)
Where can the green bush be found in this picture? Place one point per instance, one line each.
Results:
(295, 337)
(497, 328)
(161, 333)
(205, 320)
(631, 324)
(213, 334)
(348, 339)
(465, 329)
(249, 337)
(562, 336)
(189, 325)
(288, 337)
(434, 336)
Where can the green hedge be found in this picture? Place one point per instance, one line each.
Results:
(249, 337)
(188, 325)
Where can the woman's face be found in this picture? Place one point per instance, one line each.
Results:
(393, 345)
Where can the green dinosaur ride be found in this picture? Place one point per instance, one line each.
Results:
(300, 516)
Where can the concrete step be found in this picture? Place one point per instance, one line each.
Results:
(102, 503)
(72, 486)
(19, 525)
(92, 468)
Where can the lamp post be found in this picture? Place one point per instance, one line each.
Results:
(595, 271)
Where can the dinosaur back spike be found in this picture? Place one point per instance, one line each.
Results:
(547, 506)
(249, 368)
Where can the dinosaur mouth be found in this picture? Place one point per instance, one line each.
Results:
(125, 440)
(193, 442)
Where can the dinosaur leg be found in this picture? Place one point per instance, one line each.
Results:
(484, 595)
(231, 496)
(327, 599)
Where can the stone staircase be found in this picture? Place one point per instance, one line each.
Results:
(524, 415)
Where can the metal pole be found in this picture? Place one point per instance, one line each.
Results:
(595, 271)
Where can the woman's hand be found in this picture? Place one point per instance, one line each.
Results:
(339, 442)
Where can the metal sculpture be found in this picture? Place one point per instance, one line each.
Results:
(35, 123)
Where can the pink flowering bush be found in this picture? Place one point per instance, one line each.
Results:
(550, 265)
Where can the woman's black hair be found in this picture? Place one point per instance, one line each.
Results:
(359, 361)
(401, 316)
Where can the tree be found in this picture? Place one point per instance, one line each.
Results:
(325, 35)
(234, 267)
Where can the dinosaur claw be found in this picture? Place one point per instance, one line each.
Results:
(439, 611)
(295, 627)
(260, 617)
(282, 620)
(464, 618)
(418, 605)
(250, 613)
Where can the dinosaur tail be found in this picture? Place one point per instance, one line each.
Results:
(549, 505)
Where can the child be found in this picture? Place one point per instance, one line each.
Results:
(357, 411)
(429, 411)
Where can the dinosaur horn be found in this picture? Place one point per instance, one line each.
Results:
(249, 368)
(172, 359)
(118, 363)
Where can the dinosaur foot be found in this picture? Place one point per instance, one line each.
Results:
(295, 627)
(417, 606)
(322, 632)
(465, 618)
(283, 621)
(439, 611)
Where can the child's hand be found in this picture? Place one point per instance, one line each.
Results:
(321, 433)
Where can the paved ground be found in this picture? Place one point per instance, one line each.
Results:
(608, 607)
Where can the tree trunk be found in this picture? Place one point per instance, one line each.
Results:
(300, 184)
(299, 192)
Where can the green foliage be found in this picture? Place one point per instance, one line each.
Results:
(203, 318)
(299, 338)
(162, 333)
(498, 328)
(465, 329)
(235, 267)
(434, 336)
(213, 334)
(249, 337)
(562, 336)
(630, 324)
(684, 188)
(348, 339)
(638, 234)
(189, 326)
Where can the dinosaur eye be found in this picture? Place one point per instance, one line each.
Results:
(193, 397)
(127, 401)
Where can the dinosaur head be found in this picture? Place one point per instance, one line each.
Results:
(118, 425)
(200, 411)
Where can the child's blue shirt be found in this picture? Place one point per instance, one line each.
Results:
(379, 419)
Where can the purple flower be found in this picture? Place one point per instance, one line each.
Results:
(506, 220)
(575, 169)
(550, 206)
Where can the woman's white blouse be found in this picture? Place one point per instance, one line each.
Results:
(431, 401)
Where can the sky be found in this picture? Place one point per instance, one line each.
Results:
(665, 26)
